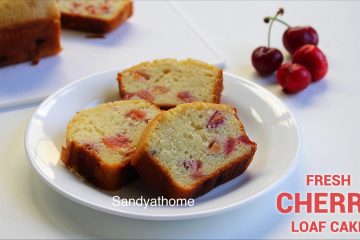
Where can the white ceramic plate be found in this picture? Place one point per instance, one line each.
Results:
(266, 119)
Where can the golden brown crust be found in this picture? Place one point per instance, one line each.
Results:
(152, 172)
(149, 169)
(122, 91)
(96, 25)
(218, 87)
(29, 41)
(86, 163)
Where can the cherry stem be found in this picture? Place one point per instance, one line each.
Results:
(267, 19)
(279, 12)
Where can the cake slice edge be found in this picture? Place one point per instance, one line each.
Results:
(97, 24)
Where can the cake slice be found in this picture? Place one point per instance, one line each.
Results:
(96, 16)
(168, 82)
(101, 141)
(29, 30)
(188, 150)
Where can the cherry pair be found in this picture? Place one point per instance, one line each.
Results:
(309, 63)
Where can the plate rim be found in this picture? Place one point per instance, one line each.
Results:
(160, 217)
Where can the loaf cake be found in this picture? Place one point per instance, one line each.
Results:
(168, 82)
(188, 150)
(101, 141)
(96, 16)
(29, 30)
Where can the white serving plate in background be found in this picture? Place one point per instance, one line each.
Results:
(142, 38)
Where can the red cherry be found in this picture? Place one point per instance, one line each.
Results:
(293, 77)
(313, 59)
(266, 60)
(296, 37)
(216, 120)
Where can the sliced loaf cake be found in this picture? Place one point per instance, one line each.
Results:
(190, 149)
(101, 141)
(97, 16)
(168, 82)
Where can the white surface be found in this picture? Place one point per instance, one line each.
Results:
(266, 119)
(143, 37)
(327, 114)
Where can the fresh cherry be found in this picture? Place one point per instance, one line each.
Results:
(313, 59)
(293, 77)
(266, 59)
(296, 37)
